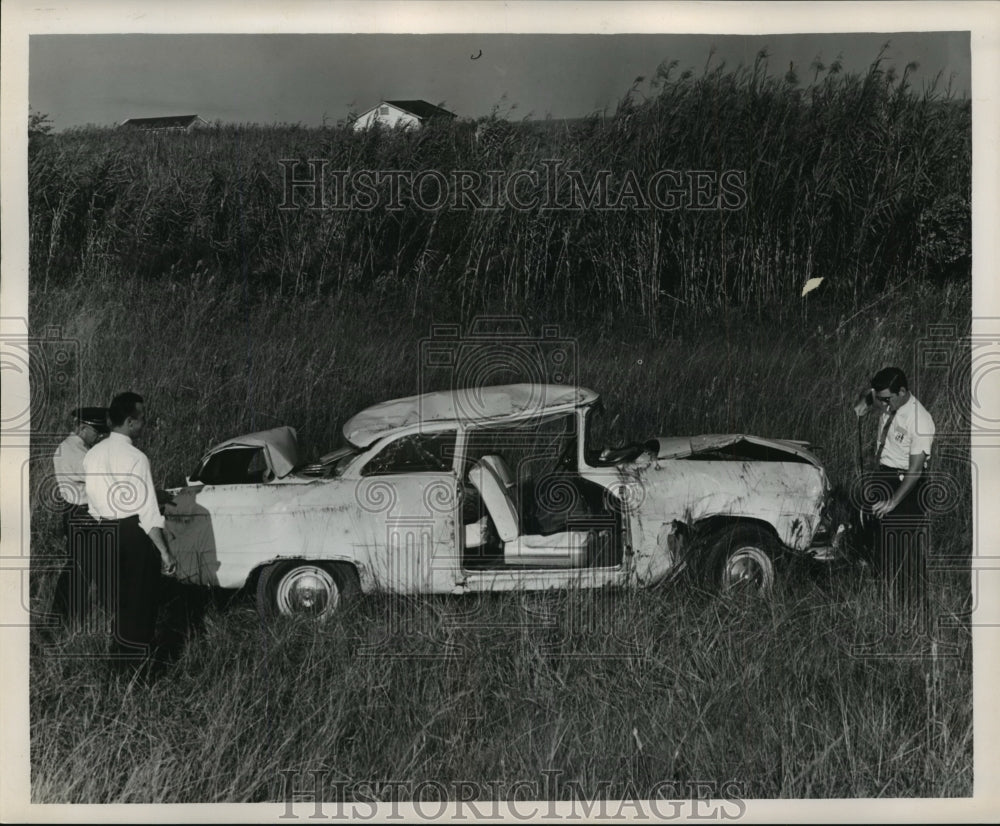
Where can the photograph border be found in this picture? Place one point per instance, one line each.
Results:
(21, 19)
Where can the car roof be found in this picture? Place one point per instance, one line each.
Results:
(466, 406)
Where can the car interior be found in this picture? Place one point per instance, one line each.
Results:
(557, 521)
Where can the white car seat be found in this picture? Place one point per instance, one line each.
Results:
(567, 549)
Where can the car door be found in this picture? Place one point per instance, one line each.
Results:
(410, 489)
(544, 489)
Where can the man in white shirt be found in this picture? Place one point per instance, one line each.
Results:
(903, 452)
(73, 584)
(122, 504)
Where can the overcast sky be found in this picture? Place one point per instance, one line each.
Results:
(299, 78)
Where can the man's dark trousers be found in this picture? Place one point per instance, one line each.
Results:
(71, 600)
(134, 593)
(902, 543)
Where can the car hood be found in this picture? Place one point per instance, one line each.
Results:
(681, 447)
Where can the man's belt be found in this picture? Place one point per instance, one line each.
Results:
(893, 470)
(101, 520)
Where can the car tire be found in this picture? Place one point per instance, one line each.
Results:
(305, 589)
(740, 558)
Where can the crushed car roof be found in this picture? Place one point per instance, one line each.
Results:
(280, 444)
(474, 405)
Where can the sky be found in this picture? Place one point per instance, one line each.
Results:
(103, 79)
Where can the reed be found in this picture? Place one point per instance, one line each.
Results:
(858, 179)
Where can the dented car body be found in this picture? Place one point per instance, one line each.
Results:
(493, 488)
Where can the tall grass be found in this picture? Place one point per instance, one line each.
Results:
(609, 692)
(226, 361)
(858, 179)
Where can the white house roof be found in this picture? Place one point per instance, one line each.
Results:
(420, 109)
(474, 405)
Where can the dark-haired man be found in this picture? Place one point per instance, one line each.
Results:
(903, 451)
(123, 506)
(71, 595)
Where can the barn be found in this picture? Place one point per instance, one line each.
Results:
(176, 123)
(406, 114)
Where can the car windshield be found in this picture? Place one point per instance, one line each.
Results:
(605, 442)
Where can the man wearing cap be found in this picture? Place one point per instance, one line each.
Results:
(70, 597)
(903, 451)
(123, 508)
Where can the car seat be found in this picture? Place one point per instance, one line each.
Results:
(566, 549)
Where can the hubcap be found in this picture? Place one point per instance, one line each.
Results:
(307, 590)
(748, 568)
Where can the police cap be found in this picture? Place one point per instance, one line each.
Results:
(96, 417)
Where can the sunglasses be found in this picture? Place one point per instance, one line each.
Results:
(884, 399)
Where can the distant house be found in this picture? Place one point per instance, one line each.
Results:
(174, 123)
(403, 113)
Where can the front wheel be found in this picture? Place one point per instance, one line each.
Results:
(740, 559)
(304, 589)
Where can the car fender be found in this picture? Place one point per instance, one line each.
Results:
(667, 497)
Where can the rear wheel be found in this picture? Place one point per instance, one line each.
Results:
(740, 559)
(305, 589)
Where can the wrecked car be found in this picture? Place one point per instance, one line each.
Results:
(489, 489)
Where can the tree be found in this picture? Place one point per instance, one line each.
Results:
(38, 123)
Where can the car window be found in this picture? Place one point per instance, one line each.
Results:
(416, 453)
(235, 466)
(531, 450)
